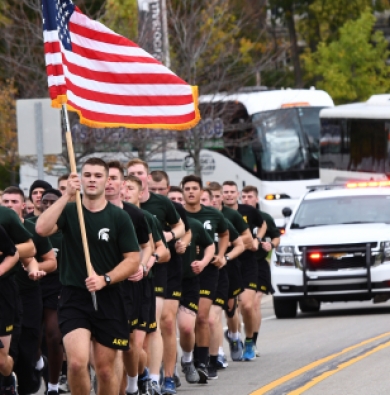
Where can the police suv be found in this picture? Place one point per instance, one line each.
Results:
(336, 248)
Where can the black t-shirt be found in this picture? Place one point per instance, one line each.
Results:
(15, 230)
(139, 222)
(162, 208)
(110, 234)
(254, 220)
(43, 246)
(251, 216)
(272, 232)
(7, 246)
(235, 218)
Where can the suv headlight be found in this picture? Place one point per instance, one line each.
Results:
(285, 256)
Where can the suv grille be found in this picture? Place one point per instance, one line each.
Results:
(336, 257)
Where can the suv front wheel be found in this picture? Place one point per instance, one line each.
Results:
(285, 308)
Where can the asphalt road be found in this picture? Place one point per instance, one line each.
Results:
(343, 349)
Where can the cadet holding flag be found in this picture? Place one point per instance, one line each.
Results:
(114, 257)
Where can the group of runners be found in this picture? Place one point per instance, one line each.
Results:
(167, 262)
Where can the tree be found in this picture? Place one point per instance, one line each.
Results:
(353, 67)
(210, 48)
(9, 159)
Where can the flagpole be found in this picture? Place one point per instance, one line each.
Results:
(73, 169)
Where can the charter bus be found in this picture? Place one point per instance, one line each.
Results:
(266, 138)
(355, 141)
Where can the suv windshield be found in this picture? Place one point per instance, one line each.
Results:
(342, 210)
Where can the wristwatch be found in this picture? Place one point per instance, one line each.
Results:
(156, 256)
(107, 279)
(227, 257)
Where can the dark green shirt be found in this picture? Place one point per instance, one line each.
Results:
(200, 238)
(12, 224)
(43, 246)
(162, 208)
(213, 222)
(110, 234)
(272, 232)
(235, 218)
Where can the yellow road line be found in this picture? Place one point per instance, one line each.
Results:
(325, 375)
(304, 369)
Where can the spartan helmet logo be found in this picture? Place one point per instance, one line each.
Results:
(55, 251)
(103, 234)
(207, 225)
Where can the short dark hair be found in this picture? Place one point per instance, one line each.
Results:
(250, 188)
(64, 177)
(208, 190)
(138, 161)
(96, 162)
(134, 179)
(230, 183)
(115, 164)
(214, 186)
(14, 191)
(159, 175)
(175, 189)
(191, 178)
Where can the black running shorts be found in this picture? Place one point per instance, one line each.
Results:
(160, 279)
(147, 300)
(190, 295)
(8, 304)
(208, 280)
(108, 325)
(131, 296)
(223, 289)
(249, 270)
(51, 290)
(264, 284)
(175, 273)
(233, 268)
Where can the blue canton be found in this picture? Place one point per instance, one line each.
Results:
(56, 15)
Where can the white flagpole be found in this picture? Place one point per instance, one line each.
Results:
(73, 169)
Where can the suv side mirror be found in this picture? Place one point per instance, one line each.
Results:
(287, 212)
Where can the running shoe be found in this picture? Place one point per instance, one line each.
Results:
(145, 383)
(10, 389)
(222, 362)
(203, 373)
(63, 387)
(212, 372)
(168, 386)
(236, 347)
(52, 393)
(249, 353)
(192, 375)
(257, 352)
(156, 388)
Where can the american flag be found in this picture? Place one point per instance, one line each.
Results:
(109, 80)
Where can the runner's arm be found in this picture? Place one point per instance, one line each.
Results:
(26, 249)
(238, 248)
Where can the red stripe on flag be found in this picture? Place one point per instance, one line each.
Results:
(133, 120)
(107, 38)
(54, 70)
(52, 47)
(120, 78)
(94, 54)
(128, 100)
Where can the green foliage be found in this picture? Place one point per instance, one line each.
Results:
(122, 17)
(353, 67)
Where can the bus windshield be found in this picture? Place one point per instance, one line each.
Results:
(288, 138)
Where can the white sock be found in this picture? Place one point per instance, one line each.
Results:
(187, 356)
(40, 364)
(155, 377)
(234, 335)
(52, 387)
(132, 384)
(220, 351)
